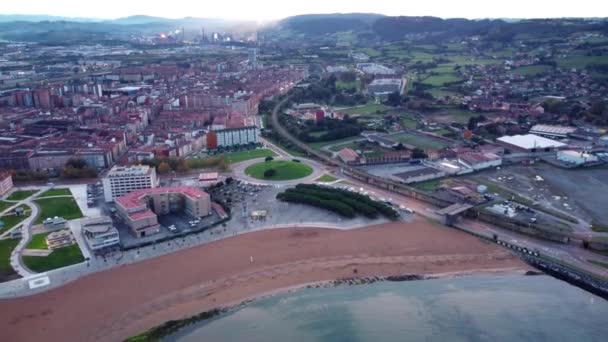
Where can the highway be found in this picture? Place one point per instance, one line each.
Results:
(568, 253)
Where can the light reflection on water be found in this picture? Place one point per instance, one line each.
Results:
(475, 308)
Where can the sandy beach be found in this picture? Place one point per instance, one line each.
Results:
(116, 304)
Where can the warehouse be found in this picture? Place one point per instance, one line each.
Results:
(529, 143)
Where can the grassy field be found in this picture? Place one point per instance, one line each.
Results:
(599, 263)
(532, 70)
(580, 62)
(235, 157)
(319, 145)
(596, 227)
(326, 179)
(441, 79)
(11, 220)
(440, 92)
(38, 241)
(5, 205)
(367, 109)
(6, 270)
(430, 185)
(21, 195)
(56, 192)
(62, 257)
(353, 144)
(285, 170)
(347, 85)
(420, 141)
(65, 207)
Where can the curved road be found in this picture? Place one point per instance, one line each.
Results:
(566, 253)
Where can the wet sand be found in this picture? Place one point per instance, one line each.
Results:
(115, 304)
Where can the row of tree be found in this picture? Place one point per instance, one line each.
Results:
(342, 202)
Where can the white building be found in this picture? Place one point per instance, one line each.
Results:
(384, 86)
(480, 161)
(552, 131)
(99, 233)
(529, 143)
(576, 157)
(237, 136)
(122, 180)
(6, 183)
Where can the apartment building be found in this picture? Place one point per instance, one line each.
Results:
(232, 137)
(123, 180)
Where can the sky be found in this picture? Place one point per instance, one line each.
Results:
(265, 10)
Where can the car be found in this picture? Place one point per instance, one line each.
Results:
(533, 220)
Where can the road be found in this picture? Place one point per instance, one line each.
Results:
(567, 253)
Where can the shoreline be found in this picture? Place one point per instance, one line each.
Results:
(176, 326)
(121, 302)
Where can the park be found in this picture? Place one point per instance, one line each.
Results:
(279, 170)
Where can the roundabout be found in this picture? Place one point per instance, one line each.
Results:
(284, 171)
(278, 170)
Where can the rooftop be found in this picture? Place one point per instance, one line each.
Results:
(135, 198)
(122, 171)
(530, 141)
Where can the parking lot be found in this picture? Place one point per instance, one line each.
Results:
(581, 193)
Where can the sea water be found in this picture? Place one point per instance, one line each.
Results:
(472, 308)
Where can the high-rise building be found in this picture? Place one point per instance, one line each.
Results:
(123, 180)
(253, 58)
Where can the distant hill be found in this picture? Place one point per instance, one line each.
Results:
(316, 24)
(137, 20)
(4, 18)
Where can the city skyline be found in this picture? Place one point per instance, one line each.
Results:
(269, 10)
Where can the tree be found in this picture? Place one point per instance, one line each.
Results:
(394, 99)
(268, 159)
(419, 153)
(76, 163)
(270, 173)
(163, 168)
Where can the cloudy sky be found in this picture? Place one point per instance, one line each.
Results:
(263, 10)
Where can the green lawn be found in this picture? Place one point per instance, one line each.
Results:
(598, 263)
(6, 270)
(62, 257)
(441, 92)
(353, 145)
(347, 85)
(366, 109)
(21, 195)
(56, 192)
(65, 207)
(11, 220)
(38, 241)
(596, 227)
(420, 141)
(235, 157)
(326, 179)
(285, 170)
(319, 145)
(441, 79)
(532, 70)
(5, 205)
(580, 62)
(430, 185)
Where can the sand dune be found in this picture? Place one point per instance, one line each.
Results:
(121, 302)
